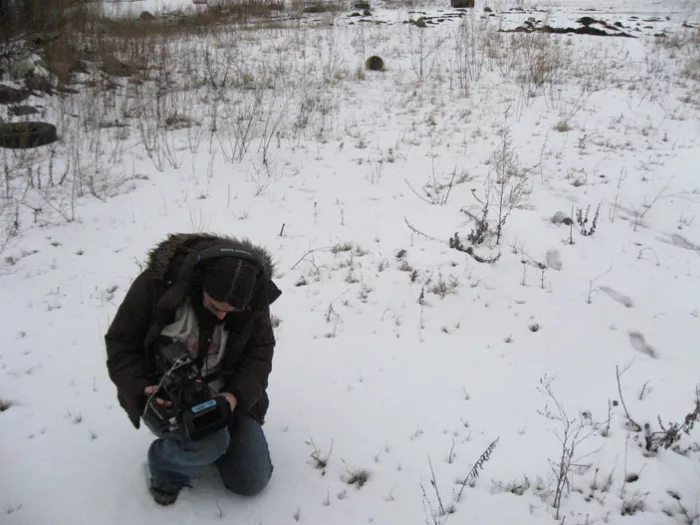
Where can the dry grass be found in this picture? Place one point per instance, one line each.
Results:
(79, 33)
(207, 74)
(5, 404)
(684, 48)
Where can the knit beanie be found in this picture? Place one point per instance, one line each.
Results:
(230, 280)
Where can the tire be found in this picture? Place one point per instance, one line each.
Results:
(23, 135)
(374, 63)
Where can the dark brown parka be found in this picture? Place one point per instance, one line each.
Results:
(150, 305)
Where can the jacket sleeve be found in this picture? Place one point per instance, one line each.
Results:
(249, 381)
(126, 356)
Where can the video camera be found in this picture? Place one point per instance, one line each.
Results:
(195, 406)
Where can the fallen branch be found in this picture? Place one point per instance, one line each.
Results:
(415, 230)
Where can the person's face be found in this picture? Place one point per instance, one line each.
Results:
(216, 308)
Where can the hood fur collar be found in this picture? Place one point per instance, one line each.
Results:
(183, 248)
(173, 261)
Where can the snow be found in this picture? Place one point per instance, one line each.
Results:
(372, 368)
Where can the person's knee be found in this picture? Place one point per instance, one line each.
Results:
(250, 483)
(208, 449)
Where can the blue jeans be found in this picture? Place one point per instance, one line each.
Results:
(241, 456)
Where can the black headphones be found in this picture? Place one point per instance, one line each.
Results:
(230, 250)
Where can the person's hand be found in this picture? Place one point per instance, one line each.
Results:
(228, 396)
(150, 390)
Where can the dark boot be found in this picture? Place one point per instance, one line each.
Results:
(163, 497)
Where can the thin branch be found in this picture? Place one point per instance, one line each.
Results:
(314, 250)
(635, 425)
(415, 230)
(418, 194)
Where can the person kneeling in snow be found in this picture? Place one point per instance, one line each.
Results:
(201, 291)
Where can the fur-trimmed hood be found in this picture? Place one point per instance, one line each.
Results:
(174, 259)
(189, 245)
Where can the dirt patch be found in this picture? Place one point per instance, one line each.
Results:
(588, 26)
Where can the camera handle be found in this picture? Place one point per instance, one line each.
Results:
(177, 364)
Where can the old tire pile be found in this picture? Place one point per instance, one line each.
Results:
(23, 135)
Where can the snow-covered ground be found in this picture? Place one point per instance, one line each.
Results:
(398, 354)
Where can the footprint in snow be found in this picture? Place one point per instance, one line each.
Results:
(682, 242)
(617, 296)
(640, 345)
(553, 259)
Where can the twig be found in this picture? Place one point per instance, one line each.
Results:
(477, 198)
(635, 425)
(310, 252)
(470, 214)
(433, 482)
(415, 230)
(643, 391)
(590, 283)
(418, 194)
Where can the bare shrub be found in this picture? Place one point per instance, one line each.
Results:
(670, 434)
(505, 189)
(470, 50)
(443, 287)
(570, 437)
(582, 220)
(510, 182)
(539, 61)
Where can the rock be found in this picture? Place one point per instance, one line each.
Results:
(146, 16)
(10, 95)
(561, 218)
(488, 10)
(420, 23)
(459, 4)
(361, 5)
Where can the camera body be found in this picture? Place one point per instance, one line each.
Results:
(196, 408)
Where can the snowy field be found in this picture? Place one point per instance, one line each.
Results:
(489, 254)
